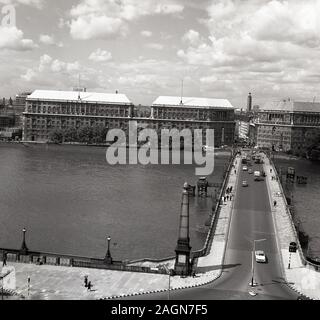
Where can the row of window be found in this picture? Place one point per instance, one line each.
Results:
(80, 110)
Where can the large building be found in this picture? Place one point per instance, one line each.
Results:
(47, 111)
(288, 125)
(196, 113)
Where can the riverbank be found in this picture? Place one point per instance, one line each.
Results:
(67, 283)
(220, 151)
(302, 278)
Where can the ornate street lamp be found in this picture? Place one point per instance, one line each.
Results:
(24, 248)
(108, 258)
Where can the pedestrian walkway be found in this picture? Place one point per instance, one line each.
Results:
(303, 279)
(67, 283)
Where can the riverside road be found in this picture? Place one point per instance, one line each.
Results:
(251, 220)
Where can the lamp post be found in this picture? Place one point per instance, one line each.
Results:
(24, 248)
(169, 274)
(108, 258)
(253, 251)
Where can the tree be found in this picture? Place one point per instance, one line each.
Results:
(71, 135)
(56, 136)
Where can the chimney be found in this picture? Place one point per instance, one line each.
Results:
(249, 106)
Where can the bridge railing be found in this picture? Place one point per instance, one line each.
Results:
(206, 248)
(288, 212)
(42, 258)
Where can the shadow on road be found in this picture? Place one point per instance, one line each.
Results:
(211, 268)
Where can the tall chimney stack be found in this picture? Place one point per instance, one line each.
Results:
(249, 107)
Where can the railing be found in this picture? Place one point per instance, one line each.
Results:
(206, 248)
(54, 259)
(303, 259)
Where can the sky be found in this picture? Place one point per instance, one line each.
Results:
(147, 48)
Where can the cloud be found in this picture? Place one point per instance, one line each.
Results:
(146, 33)
(96, 27)
(155, 46)
(50, 68)
(192, 37)
(248, 32)
(49, 40)
(100, 55)
(29, 75)
(12, 38)
(46, 39)
(100, 19)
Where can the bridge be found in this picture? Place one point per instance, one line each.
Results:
(254, 224)
(224, 269)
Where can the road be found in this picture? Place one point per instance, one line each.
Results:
(251, 219)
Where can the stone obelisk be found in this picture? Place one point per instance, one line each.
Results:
(182, 264)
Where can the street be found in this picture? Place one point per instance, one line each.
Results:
(251, 220)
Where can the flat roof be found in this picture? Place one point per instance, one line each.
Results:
(291, 106)
(52, 95)
(193, 102)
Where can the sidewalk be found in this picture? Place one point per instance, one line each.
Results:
(303, 279)
(67, 283)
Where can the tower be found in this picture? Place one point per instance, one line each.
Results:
(249, 106)
(183, 249)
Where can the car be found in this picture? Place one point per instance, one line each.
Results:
(245, 168)
(250, 171)
(260, 256)
(245, 183)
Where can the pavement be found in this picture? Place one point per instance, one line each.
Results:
(303, 279)
(223, 274)
(251, 219)
(67, 283)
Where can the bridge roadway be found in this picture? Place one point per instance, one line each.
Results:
(251, 219)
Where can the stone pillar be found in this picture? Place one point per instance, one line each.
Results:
(24, 248)
(183, 249)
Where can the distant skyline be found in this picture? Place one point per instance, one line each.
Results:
(145, 48)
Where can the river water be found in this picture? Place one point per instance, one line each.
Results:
(70, 199)
(306, 198)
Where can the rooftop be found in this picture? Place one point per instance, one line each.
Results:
(193, 102)
(291, 106)
(51, 95)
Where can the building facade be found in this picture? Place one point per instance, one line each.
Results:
(196, 113)
(47, 111)
(288, 125)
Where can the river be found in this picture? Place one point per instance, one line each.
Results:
(70, 199)
(306, 198)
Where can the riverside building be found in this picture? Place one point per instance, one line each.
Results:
(287, 125)
(47, 111)
(195, 113)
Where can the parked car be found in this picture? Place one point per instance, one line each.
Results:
(245, 168)
(260, 256)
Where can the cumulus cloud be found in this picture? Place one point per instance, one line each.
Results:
(146, 33)
(259, 35)
(49, 68)
(155, 46)
(49, 40)
(12, 38)
(100, 55)
(192, 37)
(96, 19)
(46, 39)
